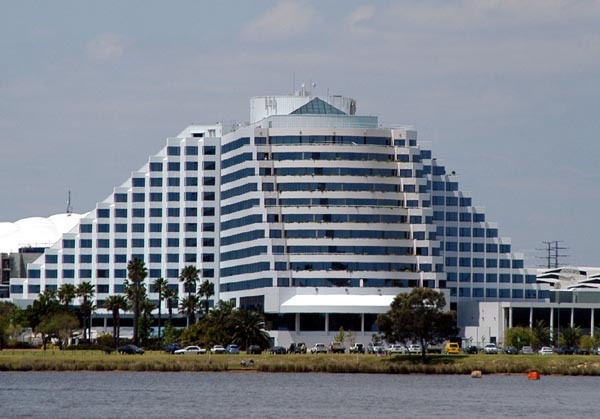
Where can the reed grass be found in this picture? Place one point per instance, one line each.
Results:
(54, 360)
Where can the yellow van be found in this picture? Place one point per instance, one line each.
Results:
(452, 348)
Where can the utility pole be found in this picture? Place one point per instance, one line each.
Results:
(553, 256)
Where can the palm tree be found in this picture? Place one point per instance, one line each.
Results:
(189, 277)
(146, 307)
(207, 289)
(136, 272)
(86, 291)
(160, 285)
(248, 328)
(66, 294)
(219, 322)
(170, 295)
(115, 303)
(188, 306)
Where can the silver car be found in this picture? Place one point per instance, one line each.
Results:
(193, 350)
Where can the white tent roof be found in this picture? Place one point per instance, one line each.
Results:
(338, 303)
(35, 231)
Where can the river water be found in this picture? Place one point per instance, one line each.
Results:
(308, 396)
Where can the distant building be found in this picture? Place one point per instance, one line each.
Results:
(310, 213)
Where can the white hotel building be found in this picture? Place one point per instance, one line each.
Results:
(311, 214)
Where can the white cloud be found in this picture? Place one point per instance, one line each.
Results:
(105, 47)
(361, 14)
(286, 20)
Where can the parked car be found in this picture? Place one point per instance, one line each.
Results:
(527, 350)
(297, 348)
(452, 348)
(253, 350)
(217, 349)
(375, 348)
(546, 350)
(583, 351)
(191, 350)
(437, 348)
(318, 348)
(130, 349)
(414, 349)
(278, 350)
(472, 349)
(564, 350)
(490, 348)
(232, 348)
(357, 348)
(395, 349)
(596, 351)
(172, 347)
(511, 350)
(337, 348)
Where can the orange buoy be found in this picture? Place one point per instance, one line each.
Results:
(533, 375)
(476, 374)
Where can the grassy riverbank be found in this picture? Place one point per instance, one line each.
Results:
(54, 360)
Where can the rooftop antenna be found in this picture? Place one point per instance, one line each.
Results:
(69, 206)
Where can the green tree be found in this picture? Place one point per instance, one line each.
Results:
(116, 303)
(540, 335)
(86, 290)
(136, 291)
(189, 306)
(194, 335)
(170, 296)
(418, 316)
(207, 289)
(518, 337)
(146, 308)
(9, 321)
(341, 336)
(160, 286)
(219, 324)
(248, 328)
(43, 307)
(569, 336)
(189, 277)
(59, 325)
(586, 342)
(66, 294)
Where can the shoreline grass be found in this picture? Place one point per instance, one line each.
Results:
(54, 360)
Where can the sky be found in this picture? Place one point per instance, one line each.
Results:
(506, 92)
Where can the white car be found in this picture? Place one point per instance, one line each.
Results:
(414, 349)
(194, 350)
(395, 349)
(217, 349)
(490, 348)
(546, 350)
(319, 348)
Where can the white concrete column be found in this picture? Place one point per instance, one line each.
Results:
(592, 322)
(530, 317)
(362, 323)
(327, 323)
(297, 323)
(572, 316)
(510, 317)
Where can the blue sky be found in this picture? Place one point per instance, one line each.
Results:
(507, 92)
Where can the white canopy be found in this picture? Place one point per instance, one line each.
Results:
(337, 303)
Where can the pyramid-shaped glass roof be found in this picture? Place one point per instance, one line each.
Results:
(318, 106)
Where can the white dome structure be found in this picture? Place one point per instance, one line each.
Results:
(35, 231)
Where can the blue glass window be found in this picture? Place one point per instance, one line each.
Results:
(138, 182)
